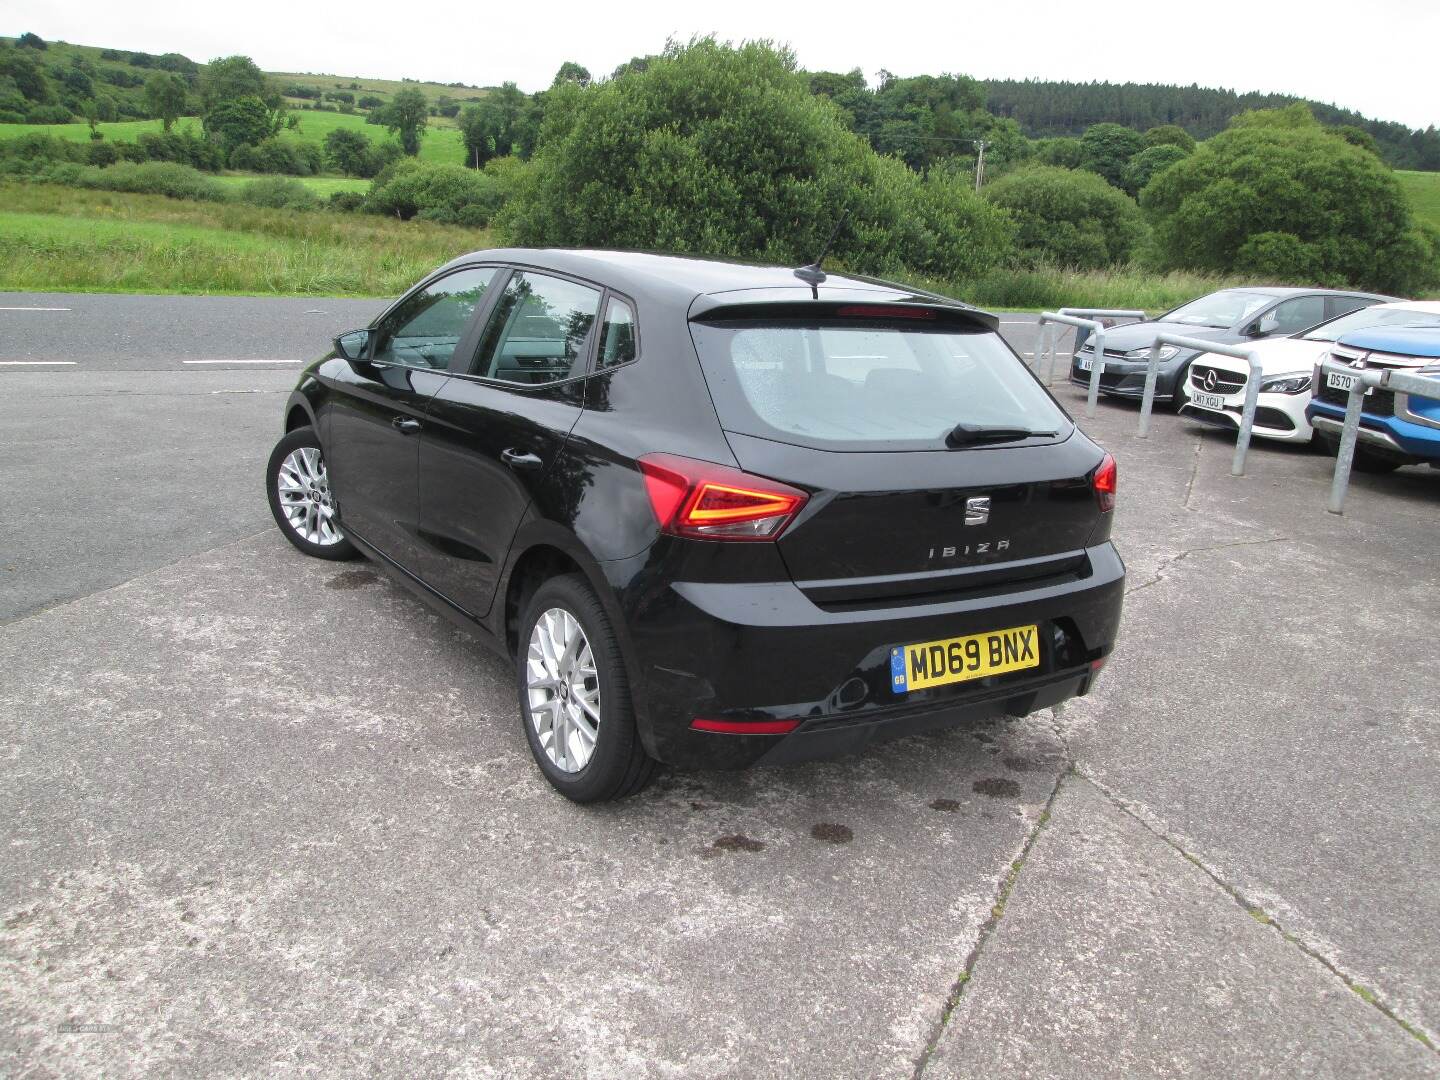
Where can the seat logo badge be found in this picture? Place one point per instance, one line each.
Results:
(1210, 379)
(1358, 363)
(977, 510)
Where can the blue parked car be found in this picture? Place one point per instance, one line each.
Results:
(1395, 429)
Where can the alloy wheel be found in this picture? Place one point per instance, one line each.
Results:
(562, 690)
(304, 489)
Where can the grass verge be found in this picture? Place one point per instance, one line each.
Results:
(67, 239)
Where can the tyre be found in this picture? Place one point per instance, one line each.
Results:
(298, 487)
(1181, 394)
(1367, 461)
(575, 702)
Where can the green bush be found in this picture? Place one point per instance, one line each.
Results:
(1069, 217)
(1279, 172)
(725, 151)
(447, 194)
(276, 155)
(1107, 149)
(1149, 163)
(152, 178)
(279, 193)
(48, 114)
(347, 202)
(1281, 256)
(41, 146)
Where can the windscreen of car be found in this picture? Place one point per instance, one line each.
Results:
(1226, 308)
(872, 385)
(1366, 318)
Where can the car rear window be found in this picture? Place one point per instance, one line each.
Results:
(867, 384)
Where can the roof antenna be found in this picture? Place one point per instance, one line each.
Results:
(812, 275)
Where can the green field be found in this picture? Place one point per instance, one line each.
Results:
(100, 241)
(442, 140)
(323, 186)
(380, 87)
(1423, 188)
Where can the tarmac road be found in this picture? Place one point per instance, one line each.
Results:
(267, 814)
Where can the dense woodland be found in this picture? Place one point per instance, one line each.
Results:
(1043, 108)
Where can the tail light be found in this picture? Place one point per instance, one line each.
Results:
(705, 501)
(1104, 484)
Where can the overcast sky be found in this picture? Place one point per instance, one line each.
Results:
(1377, 57)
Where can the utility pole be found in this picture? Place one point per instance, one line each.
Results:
(980, 163)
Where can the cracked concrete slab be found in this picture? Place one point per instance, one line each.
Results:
(1270, 706)
(268, 814)
(1117, 957)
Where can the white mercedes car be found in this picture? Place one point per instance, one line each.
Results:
(1215, 391)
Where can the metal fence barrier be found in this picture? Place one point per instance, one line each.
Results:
(1400, 382)
(1252, 388)
(1050, 334)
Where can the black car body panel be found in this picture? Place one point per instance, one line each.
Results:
(1124, 377)
(800, 629)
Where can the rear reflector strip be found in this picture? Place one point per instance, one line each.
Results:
(746, 727)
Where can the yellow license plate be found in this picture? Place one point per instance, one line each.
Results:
(953, 660)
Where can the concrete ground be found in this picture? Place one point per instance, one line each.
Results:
(269, 816)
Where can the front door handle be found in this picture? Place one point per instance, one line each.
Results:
(405, 425)
(520, 459)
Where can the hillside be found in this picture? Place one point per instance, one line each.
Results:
(1423, 189)
(1045, 108)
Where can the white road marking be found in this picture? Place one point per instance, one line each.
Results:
(34, 309)
(38, 363)
(242, 361)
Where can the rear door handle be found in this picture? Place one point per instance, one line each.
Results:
(520, 459)
(405, 425)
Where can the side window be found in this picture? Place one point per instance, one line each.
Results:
(617, 336)
(424, 330)
(539, 330)
(1292, 316)
(1343, 305)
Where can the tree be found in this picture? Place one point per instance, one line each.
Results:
(1150, 162)
(348, 151)
(91, 112)
(1170, 135)
(496, 124)
(243, 121)
(1107, 149)
(28, 40)
(573, 73)
(232, 77)
(165, 97)
(723, 150)
(1069, 217)
(405, 117)
(239, 105)
(1278, 188)
(1063, 152)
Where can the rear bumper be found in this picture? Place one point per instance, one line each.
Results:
(748, 652)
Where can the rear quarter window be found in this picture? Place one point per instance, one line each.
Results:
(868, 385)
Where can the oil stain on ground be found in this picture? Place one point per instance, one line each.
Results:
(998, 787)
(832, 833)
(738, 842)
(945, 806)
(351, 579)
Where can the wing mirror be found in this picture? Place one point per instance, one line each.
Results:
(353, 345)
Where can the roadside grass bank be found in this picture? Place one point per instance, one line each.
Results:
(66, 239)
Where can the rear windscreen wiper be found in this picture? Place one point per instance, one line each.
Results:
(966, 434)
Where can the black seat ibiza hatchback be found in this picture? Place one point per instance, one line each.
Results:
(718, 514)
